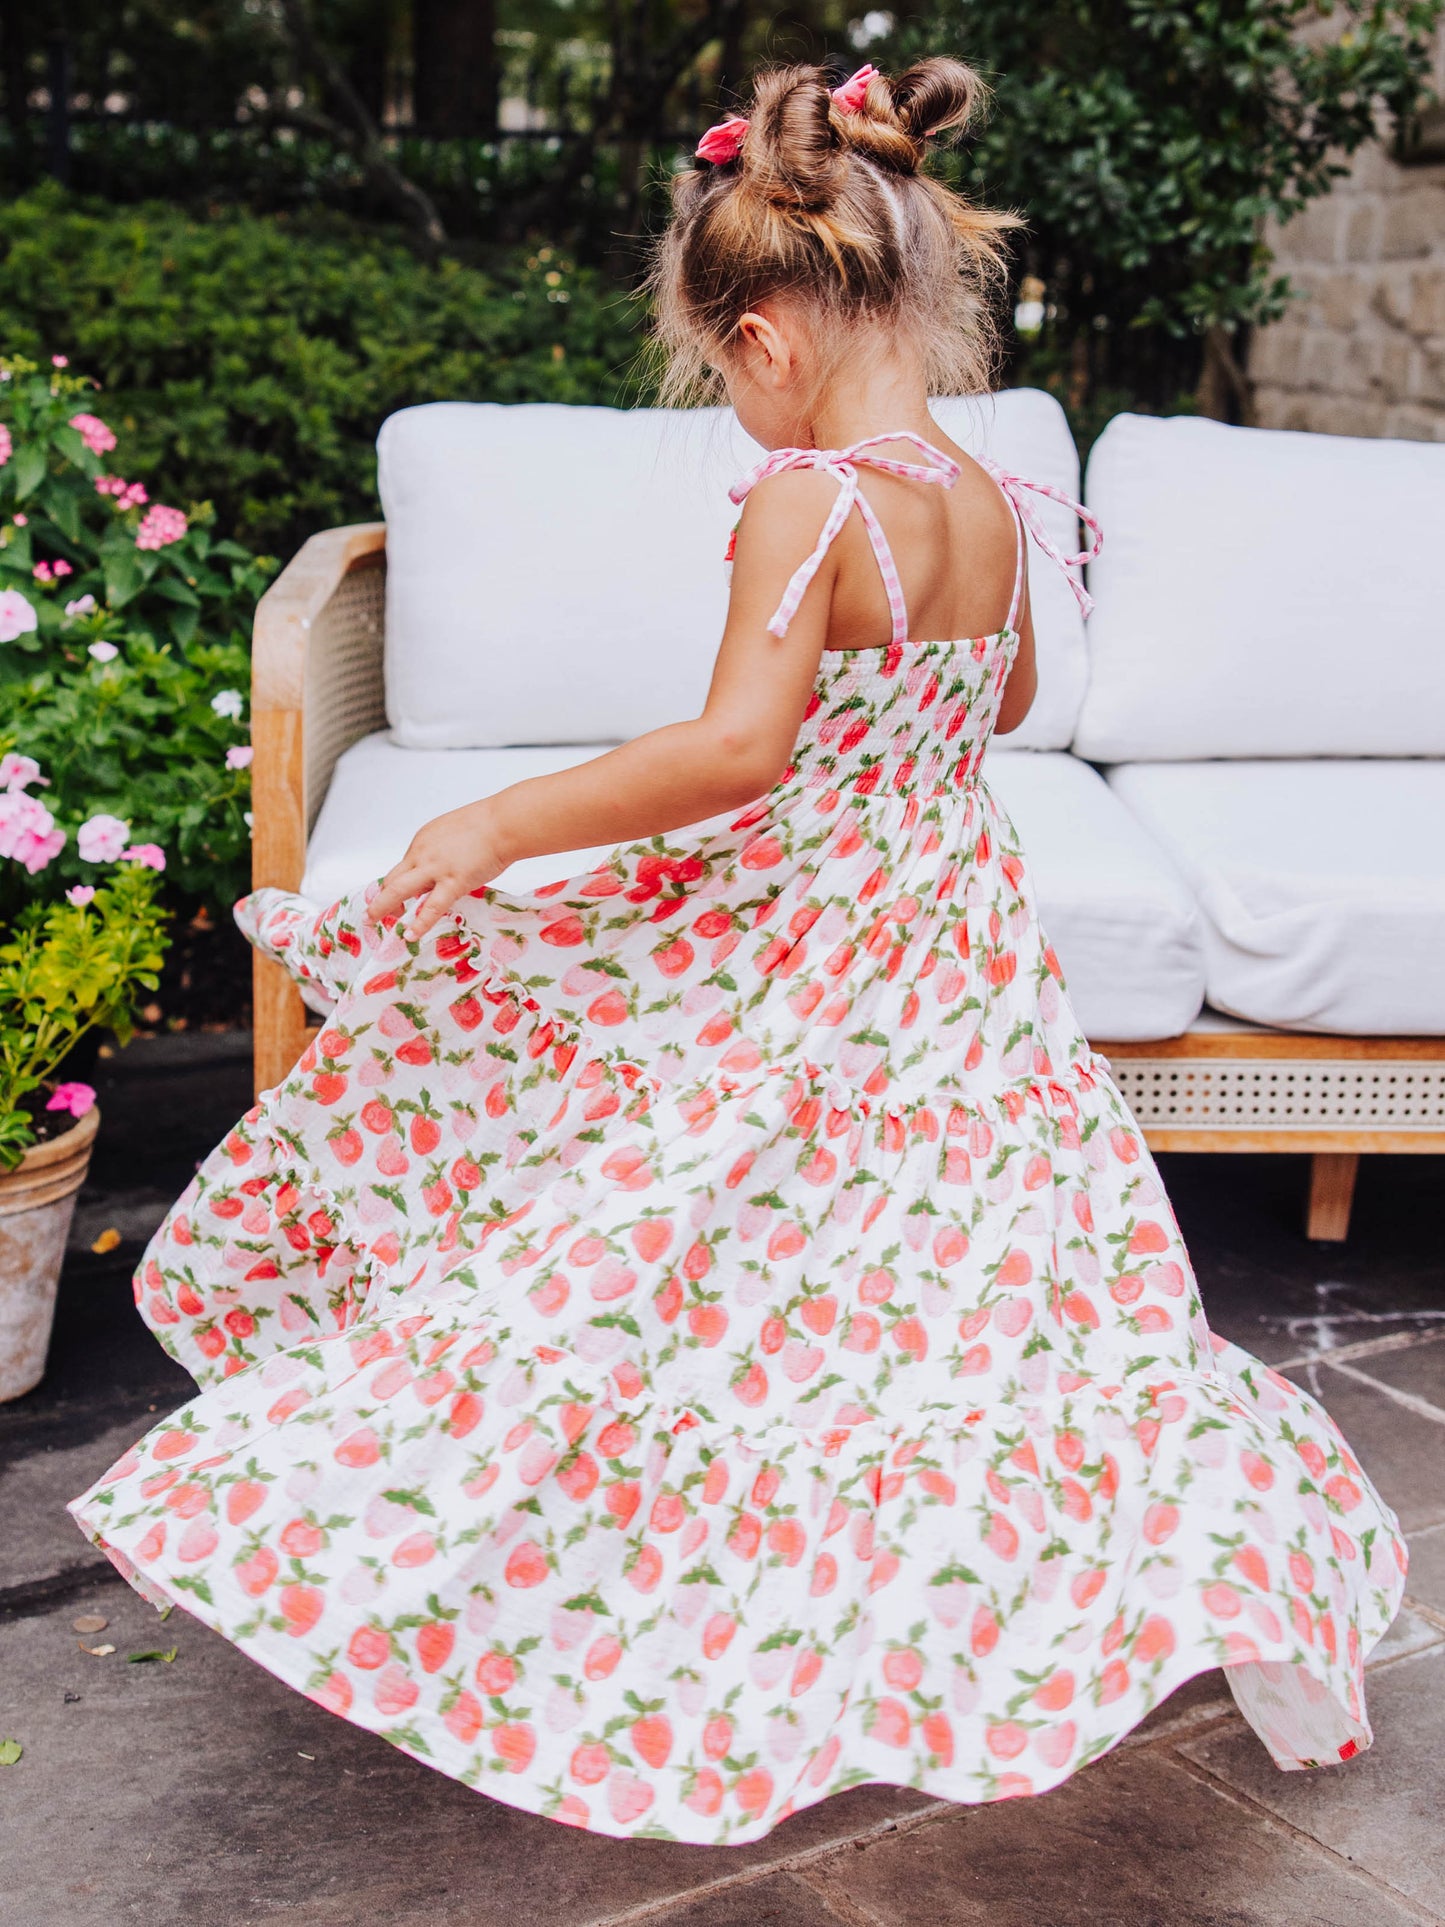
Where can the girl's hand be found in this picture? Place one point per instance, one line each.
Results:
(447, 859)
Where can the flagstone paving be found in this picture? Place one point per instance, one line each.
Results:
(195, 1791)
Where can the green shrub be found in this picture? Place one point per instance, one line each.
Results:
(123, 659)
(251, 359)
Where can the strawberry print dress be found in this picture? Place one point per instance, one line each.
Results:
(708, 1333)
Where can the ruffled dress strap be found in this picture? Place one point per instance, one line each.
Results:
(843, 464)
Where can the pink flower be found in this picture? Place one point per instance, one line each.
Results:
(82, 606)
(19, 772)
(104, 651)
(722, 143)
(27, 831)
(75, 1098)
(150, 854)
(239, 756)
(849, 97)
(102, 838)
(80, 894)
(7, 447)
(128, 495)
(160, 527)
(17, 616)
(22, 521)
(61, 568)
(41, 572)
(99, 439)
(60, 361)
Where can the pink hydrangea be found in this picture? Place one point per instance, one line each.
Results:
(76, 1098)
(160, 526)
(128, 495)
(99, 439)
(80, 894)
(239, 756)
(27, 831)
(102, 838)
(17, 616)
(7, 447)
(150, 854)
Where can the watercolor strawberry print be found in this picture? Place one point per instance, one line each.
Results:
(709, 1333)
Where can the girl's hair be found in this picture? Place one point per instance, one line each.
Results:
(832, 208)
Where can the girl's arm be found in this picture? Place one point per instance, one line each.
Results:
(731, 754)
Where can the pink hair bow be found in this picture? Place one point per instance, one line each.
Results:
(723, 142)
(850, 95)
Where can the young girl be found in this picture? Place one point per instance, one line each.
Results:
(708, 1332)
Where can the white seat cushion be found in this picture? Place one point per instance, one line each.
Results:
(1321, 885)
(1117, 914)
(1116, 911)
(1263, 593)
(381, 795)
(555, 574)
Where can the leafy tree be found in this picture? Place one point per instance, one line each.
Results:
(1147, 142)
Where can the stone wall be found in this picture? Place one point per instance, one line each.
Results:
(1362, 351)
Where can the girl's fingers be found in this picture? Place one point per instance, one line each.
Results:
(434, 906)
(406, 880)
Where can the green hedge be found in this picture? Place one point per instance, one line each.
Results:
(251, 359)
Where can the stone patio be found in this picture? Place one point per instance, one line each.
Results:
(201, 1793)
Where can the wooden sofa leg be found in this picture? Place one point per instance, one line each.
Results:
(1332, 1191)
(279, 1020)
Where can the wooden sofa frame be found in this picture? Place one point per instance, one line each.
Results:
(317, 686)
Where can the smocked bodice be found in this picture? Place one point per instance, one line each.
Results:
(911, 718)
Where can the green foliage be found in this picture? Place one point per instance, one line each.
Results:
(138, 618)
(251, 359)
(67, 969)
(1147, 144)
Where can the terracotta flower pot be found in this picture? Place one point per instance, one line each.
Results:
(37, 1200)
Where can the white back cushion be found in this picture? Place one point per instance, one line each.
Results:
(555, 574)
(1263, 593)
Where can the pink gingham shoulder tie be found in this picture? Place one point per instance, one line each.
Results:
(1013, 487)
(843, 465)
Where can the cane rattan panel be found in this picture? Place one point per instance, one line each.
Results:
(345, 696)
(1261, 1093)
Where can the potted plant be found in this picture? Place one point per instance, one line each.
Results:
(66, 969)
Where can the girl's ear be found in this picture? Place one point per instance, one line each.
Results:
(766, 347)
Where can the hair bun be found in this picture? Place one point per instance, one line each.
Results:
(792, 155)
(876, 129)
(934, 95)
(896, 119)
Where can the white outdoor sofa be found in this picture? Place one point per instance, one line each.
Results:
(1231, 787)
